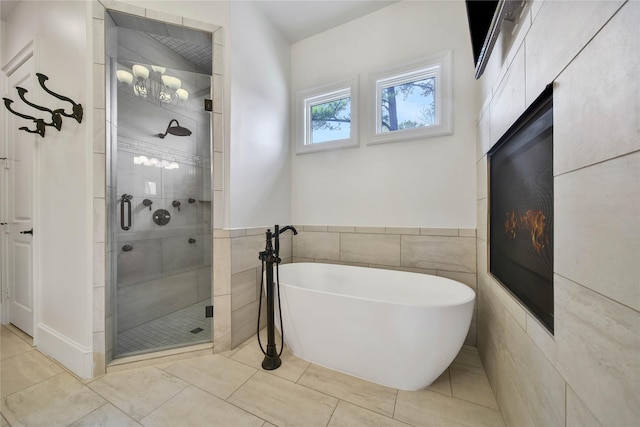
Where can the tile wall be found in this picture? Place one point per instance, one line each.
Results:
(588, 373)
(236, 280)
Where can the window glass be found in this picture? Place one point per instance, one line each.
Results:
(408, 105)
(331, 121)
(412, 101)
(326, 117)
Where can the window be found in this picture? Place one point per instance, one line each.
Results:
(326, 117)
(412, 101)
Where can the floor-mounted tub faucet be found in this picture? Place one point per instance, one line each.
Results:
(269, 257)
(278, 232)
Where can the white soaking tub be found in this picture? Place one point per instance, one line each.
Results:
(393, 328)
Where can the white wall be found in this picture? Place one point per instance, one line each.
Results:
(63, 202)
(260, 171)
(424, 183)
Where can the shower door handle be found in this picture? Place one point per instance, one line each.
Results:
(126, 200)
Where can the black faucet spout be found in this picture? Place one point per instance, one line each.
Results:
(288, 227)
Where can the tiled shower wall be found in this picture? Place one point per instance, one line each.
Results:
(443, 252)
(588, 372)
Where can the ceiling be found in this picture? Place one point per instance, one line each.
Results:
(299, 19)
(296, 19)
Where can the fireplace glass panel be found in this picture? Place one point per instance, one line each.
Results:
(521, 209)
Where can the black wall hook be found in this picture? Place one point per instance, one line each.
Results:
(77, 108)
(40, 124)
(56, 118)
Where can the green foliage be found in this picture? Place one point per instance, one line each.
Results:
(330, 114)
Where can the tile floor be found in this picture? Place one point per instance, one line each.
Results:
(230, 389)
(167, 331)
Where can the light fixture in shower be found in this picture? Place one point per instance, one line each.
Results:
(153, 84)
(145, 161)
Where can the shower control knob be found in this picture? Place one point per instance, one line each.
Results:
(148, 203)
(127, 248)
(161, 217)
(192, 240)
(191, 200)
(176, 204)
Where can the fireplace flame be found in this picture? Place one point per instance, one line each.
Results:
(532, 222)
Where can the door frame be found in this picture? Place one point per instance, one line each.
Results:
(30, 50)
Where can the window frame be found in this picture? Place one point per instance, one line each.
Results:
(305, 99)
(438, 66)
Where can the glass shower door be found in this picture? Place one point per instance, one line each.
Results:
(163, 215)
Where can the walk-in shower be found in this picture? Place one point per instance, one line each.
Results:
(158, 184)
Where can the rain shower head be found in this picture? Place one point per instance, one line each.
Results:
(176, 130)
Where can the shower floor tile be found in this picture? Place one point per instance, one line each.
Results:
(169, 331)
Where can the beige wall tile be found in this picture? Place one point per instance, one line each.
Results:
(341, 229)
(439, 252)
(482, 219)
(370, 248)
(314, 228)
(317, 245)
(490, 330)
(511, 304)
(542, 338)
(483, 135)
(509, 99)
(598, 336)
(545, 55)
(222, 323)
(244, 252)
(597, 224)
(482, 190)
(591, 87)
(402, 230)
(468, 279)
(371, 230)
(439, 231)
(578, 415)
(222, 266)
(244, 289)
(537, 382)
(467, 232)
(244, 323)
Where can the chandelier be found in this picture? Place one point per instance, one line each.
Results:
(153, 84)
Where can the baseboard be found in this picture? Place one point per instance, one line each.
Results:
(73, 356)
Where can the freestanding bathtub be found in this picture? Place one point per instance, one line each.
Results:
(394, 328)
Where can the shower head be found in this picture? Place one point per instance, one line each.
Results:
(176, 130)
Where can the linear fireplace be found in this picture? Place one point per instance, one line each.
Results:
(521, 209)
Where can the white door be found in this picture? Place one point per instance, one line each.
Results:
(18, 170)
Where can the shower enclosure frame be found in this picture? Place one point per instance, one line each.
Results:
(110, 193)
